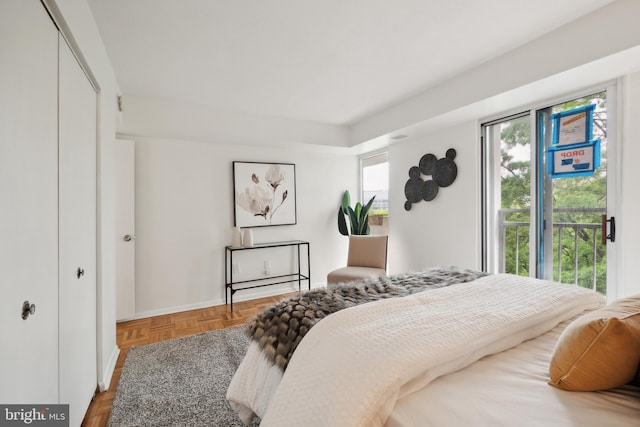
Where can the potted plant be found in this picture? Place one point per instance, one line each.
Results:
(358, 216)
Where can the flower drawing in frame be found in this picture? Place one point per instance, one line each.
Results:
(264, 194)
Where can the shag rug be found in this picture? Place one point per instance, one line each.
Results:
(180, 382)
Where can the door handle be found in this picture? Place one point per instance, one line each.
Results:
(27, 309)
(612, 228)
(128, 237)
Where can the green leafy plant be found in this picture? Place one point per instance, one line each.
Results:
(358, 216)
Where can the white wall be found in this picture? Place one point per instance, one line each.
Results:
(184, 218)
(627, 225)
(166, 119)
(444, 231)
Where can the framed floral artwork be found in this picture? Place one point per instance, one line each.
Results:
(264, 194)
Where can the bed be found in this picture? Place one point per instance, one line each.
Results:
(444, 347)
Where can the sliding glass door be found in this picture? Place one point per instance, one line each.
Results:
(545, 193)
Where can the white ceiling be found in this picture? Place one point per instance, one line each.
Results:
(325, 61)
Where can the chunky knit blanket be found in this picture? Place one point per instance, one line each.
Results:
(279, 329)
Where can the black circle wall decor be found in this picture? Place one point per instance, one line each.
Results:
(414, 172)
(429, 190)
(446, 169)
(413, 187)
(443, 172)
(427, 164)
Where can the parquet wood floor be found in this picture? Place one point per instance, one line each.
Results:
(160, 328)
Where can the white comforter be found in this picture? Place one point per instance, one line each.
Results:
(510, 389)
(353, 366)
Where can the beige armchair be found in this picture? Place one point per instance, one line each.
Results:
(367, 259)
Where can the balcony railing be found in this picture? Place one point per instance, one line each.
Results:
(582, 259)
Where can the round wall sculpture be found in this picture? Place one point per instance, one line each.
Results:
(442, 171)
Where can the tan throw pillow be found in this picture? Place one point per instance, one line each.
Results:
(599, 350)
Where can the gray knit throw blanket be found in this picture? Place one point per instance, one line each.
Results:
(280, 328)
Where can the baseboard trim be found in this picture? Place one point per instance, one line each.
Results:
(239, 297)
(110, 369)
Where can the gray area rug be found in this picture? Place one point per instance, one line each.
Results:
(180, 382)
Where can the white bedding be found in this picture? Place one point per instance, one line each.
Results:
(353, 366)
(510, 389)
(253, 384)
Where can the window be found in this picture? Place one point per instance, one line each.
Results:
(375, 182)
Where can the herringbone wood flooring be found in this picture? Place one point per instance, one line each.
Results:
(161, 328)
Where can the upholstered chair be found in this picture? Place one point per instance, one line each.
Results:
(367, 259)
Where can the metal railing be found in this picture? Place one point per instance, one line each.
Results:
(583, 230)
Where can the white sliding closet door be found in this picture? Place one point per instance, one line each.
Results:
(77, 198)
(28, 203)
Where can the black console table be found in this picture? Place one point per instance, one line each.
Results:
(271, 280)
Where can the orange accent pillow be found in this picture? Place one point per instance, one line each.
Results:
(599, 350)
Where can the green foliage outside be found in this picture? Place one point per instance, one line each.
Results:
(579, 201)
(374, 212)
